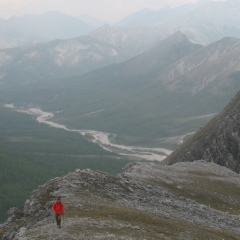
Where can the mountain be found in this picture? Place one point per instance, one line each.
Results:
(206, 24)
(175, 82)
(127, 95)
(202, 22)
(60, 58)
(210, 70)
(218, 141)
(148, 17)
(169, 90)
(57, 58)
(18, 31)
(130, 41)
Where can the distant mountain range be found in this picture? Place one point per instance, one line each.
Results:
(149, 17)
(49, 26)
(57, 58)
(203, 22)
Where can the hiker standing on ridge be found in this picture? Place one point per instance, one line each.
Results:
(58, 208)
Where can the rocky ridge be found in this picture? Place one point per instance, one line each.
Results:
(147, 201)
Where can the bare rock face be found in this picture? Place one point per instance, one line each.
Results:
(218, 141)
(195, 200)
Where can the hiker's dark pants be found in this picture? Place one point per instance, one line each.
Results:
(58, 219)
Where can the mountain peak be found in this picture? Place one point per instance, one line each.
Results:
(177, 36)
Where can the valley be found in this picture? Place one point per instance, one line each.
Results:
(101, 138)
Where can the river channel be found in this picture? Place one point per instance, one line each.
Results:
(101, 138)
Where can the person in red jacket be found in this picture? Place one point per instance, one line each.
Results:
(58, 208)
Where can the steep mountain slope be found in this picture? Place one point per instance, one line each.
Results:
(218, 141)
(207, 73)
(160, 56)
(130, 41)
(18, 31)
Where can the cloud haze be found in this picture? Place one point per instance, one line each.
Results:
(109, 10)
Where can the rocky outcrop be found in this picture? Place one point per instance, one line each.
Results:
(218, 141)
(147, 201)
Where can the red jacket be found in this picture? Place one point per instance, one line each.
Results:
(58, 208)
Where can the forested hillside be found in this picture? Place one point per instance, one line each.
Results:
(32, 153)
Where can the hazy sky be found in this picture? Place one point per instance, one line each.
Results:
(108, 10)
